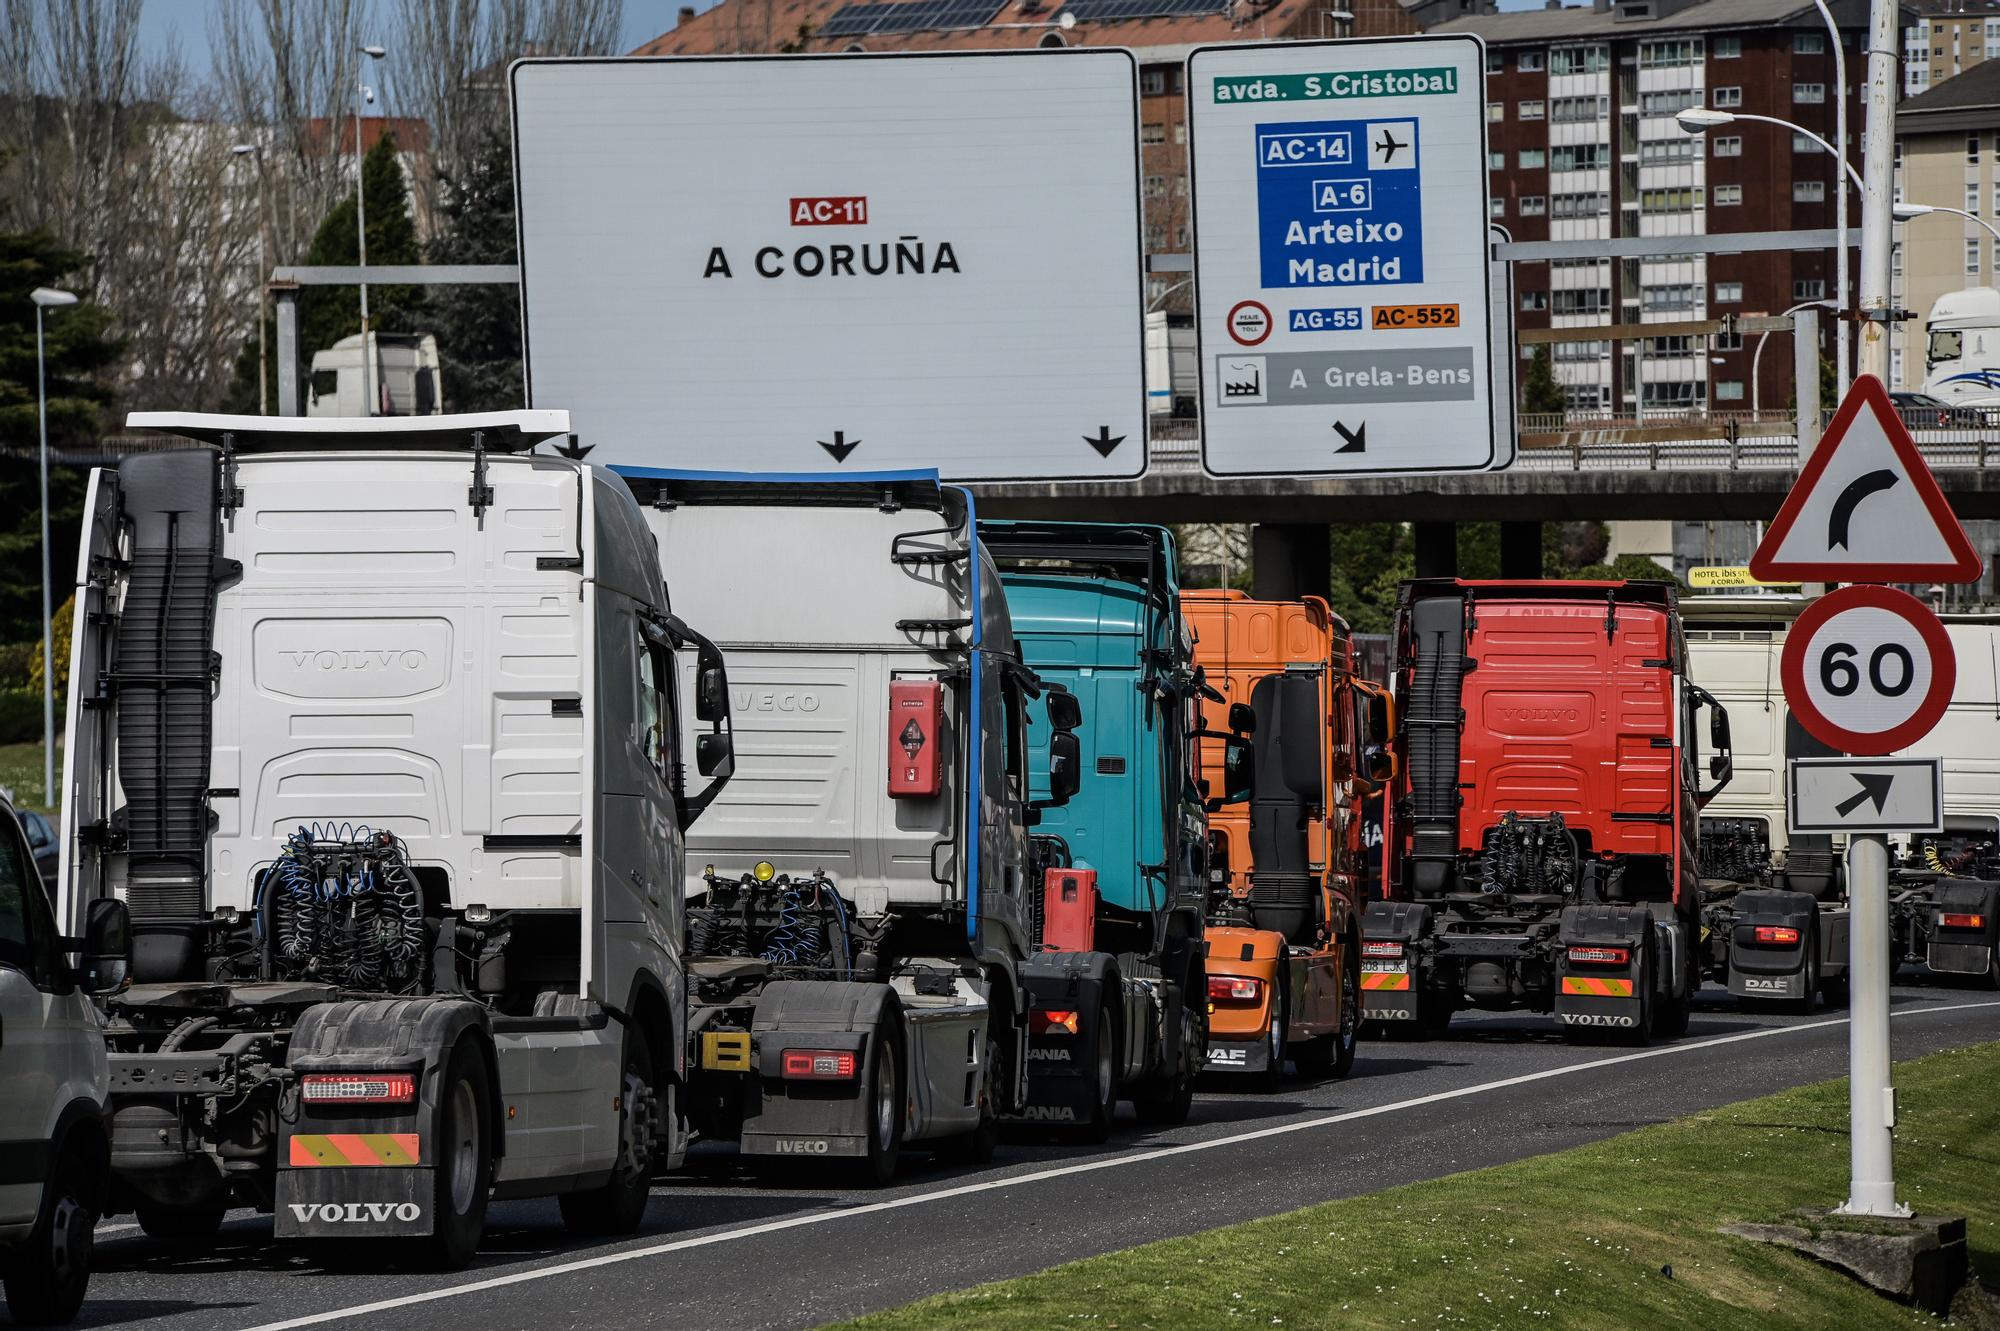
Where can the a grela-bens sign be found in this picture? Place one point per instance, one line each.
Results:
(841, 263)
(1342, 298)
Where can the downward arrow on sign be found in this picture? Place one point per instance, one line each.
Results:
(1874, 790)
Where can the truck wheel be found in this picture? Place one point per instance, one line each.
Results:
(1833, 990)
(620, 1205)
(1167, 1101)
(48, 1274)
(976, 1147)
(463, 1175)
(1273, 1075)
(1805, 1002)
(1348, 1038)
(182, 1224)
(1096, 1129)
(877, 1169)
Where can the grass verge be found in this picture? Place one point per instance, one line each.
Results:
(21, 772)
(1578, 1238)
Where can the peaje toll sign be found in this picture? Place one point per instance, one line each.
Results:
(1249, 322)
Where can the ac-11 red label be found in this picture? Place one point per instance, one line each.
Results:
(846, 210)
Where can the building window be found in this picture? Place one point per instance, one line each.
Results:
(1669, 54)
(1809, 43)
(1573, 351)
(1496, 62)
(1809, 288)
(1655, 151)
(1725, 196)
(1808, 92)
(1533, 205)
(1728, 293)
(1576, 110)
(1802, 144)
(1181, 238)
(1675, 296)
(1152, 133)
(1581, 157)
(1667, 102)
(1496, 161)
(1534, 300)
(1673, 393)
(1530, 62)
(1528, 110)
(1180, 132)
(1972, 198)
(1579, 60)
(1532, 159)
(1581, 300)
(1670, 200)
(1584, 397)
(1582, 205)
(1669, 346)
(1972, 257)
(1726, 48)
(1729, 390)
(1972, 150)
(1729, 147)
(1152, 82)
(1180, 187)
(1496, 207)
(1808, 191)
(1727, 97)
(1156, 187)
(1725, 341)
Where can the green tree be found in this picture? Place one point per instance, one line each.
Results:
(1539, 390)
(79, 351)
(478, 327)
(327, 314)
(1369, 560)
(1632, 568)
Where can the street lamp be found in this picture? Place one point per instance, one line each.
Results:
(47, 298)
(363, 93)
(242, 150)
(1758, 355)
(1905, 212)
(1701, 119)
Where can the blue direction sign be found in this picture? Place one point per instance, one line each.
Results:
(1340, 203)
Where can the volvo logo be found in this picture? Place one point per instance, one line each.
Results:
(382, 658)
(1539, 713)
(334, 1213)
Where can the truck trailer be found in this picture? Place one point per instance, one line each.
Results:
(1542, 831)
(1286, 868)
(374, 728)
(1116, 985)
(862, 898)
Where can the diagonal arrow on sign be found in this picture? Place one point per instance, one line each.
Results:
(1357, 438)
(1874, 790)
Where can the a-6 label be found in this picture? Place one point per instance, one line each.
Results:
(1346, 319)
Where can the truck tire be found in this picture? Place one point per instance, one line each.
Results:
(1166, 1101)
(1096, 1129)
(619, 1206)
(1812, 969)
(463, 1176)
(1276, 1048)
(47, 1275)
(182, 1224)
(976, 1147)
(1833, 990)
(1333, 1055)
(877, 1169)
(1670, 1017)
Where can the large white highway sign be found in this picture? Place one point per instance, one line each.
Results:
(1341, 285)
(838, 263)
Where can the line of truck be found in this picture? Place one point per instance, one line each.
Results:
(446, 821)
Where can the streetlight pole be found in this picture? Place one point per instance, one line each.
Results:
(363, 93)
(46, 298)
(1758, 355)
(240, 151)
(1843, 324)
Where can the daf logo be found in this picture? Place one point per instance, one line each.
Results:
(374, 658)
(1777, 984)
(773, 700)
(801, 1146)
(354, 1213)
(1596, 1019)
(1049, 1114)
(1229, 1057)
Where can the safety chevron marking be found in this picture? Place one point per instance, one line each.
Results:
(354, 1148)
(1596, 988)
(1385, 980)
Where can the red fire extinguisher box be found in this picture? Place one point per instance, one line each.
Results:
(916, 747)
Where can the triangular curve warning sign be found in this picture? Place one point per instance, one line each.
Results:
(1866, 507)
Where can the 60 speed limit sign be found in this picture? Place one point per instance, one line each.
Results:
(1868, 670)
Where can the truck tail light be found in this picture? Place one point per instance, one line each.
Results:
(1392, 949)
(819, 1064)
(1779, 934)
(1053, 1021)
(358, 1088)
(1957, 920)
(1069, 910)
(916, 751)
(1234, 988)
(1600, 956)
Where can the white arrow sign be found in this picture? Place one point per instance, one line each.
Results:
(1864, 795)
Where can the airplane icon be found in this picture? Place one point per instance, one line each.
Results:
(1388, 145)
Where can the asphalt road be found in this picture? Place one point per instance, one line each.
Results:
(718, 1252)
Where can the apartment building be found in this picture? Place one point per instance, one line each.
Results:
(1947, 154)
(1584, 146)
(1945, 38)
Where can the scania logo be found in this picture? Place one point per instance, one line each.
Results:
(1048, 1055)
(1049, 1114)
(352, 1213)
(374, 658)
(1539, 713)
(773, 700)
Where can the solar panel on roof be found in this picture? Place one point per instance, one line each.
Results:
(909, 16)
(1112, 11)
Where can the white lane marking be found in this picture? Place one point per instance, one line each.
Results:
(1064, 1171)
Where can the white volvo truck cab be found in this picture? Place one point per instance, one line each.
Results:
(375, 733)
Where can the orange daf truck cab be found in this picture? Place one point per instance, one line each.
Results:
(1285, 868)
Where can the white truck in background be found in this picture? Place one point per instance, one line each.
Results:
(402, 368)
(863, 895)
(1962, 348)
(375, 732)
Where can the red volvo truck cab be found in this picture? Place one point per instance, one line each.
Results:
(1541, 835)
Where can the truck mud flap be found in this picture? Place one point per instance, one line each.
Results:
(812, 1119)
(1062, 1086)
(1607, 993)
(353, 1203)
(1391, 986)
(1230, 1056)
(1964, 919)
(1767, 969)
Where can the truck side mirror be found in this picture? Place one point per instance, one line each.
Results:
(1065, 767)
(1381, 764)
(1381, 717)
(714, 751)
(1718, 727)
(711, 694)
(107, 947)
(1239, 762)
(715, 755)
(1242, 719)
(1065, 712)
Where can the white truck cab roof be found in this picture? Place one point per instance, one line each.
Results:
(499, 431)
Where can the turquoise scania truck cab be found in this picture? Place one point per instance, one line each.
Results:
(1116, 986)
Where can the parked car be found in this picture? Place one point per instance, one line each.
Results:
(55, 1086)
(42, 841)
(1921, 411)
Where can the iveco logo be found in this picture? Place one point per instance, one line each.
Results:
(355, 1212)
(1539, 713)
(772, 700)
(800, 1146)
(387, 658)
